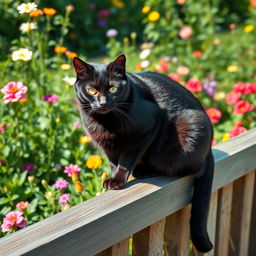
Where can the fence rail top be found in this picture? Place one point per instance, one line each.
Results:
(92, 226)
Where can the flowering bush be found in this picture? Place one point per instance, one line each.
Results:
(47, 163)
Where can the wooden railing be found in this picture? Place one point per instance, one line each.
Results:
(105, 224)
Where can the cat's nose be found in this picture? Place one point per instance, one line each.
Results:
(103, 101)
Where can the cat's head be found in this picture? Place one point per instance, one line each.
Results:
(101, 87)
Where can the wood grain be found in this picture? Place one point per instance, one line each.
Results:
(119, 249)
(223, 220)
(177, 232)
(105, 220)
(149, 241)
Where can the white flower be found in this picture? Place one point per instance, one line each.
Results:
(144, 63)
(27, 26)
(144, 54)
(22, 54)
(26, 7)
(69, 80)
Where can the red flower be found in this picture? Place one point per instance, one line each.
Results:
(194, 85)
(237, 131)
(233, 97)
(239, 87)
(249, 88)
(242, 107)
(197, 54)
(214, 115)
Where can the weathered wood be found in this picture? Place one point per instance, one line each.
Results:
(118, 249)
(211, 224)
(96, 224)
(223, 220)
(252, 243)
(241, 215)
(176, 237)
(149, 241)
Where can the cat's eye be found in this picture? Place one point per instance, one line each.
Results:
(91, 91)
(113, 89)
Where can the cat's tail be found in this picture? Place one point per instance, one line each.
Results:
(200, 207)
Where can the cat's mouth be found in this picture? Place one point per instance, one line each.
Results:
(103, 110)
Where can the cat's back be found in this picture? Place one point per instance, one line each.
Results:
(166, 92)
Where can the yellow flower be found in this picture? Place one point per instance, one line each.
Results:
(60, 49)
(145, 9)
(65, 206)
(49, 11)
(49, 194)
(74, 177)
(248, 28)
(219, 96)
(57, 120)
(104, 175)
(118, 4)
(232, 69)
(5, 189)
(225, 137)
(153, 16)
(93, 162)
(31, 179)
(78, 186)
(65, 67)
(84, 139)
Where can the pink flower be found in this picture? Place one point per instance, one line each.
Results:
(14, 91)
(185, 32)
(61, 184)
(242, 107)
(28, 167)
(214, 115)
(50, 98)
(182, 70)
(76, 125)
(233, 97)
(174, 77)
(237, 131)
(72, 168)
(64, 198)
(14, 218)
(194, 85)
(2, 127)
(22, 205)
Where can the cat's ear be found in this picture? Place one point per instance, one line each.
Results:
(118, 66)
(82, 68)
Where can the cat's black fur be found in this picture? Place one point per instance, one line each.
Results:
(150, 126)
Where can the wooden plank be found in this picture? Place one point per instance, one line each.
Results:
(211, 225)
(243, 193)
(176, 237)
(223, 220)
(119, 249)
(96, 224)
(252, 244)
(149, 241)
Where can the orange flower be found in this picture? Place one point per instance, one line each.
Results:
(36, 13)
(49, 11)
(93, 162)
(71, 55)
(60, 49)
(78, 186)
(24, 100)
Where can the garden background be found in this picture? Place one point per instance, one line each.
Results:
(47, 163)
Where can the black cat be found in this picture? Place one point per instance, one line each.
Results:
(148, 125)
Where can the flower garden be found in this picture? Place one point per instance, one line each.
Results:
(47, 163)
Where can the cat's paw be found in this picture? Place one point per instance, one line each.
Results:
(112, 183)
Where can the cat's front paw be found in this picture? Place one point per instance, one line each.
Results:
(112, 183)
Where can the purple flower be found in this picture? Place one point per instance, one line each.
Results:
(61, 184)
(102, 23)
(111, 32)
(210, 86)
(64, 198)
(28, 167)
(50, 98)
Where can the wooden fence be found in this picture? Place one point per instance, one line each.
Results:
(104, 225)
